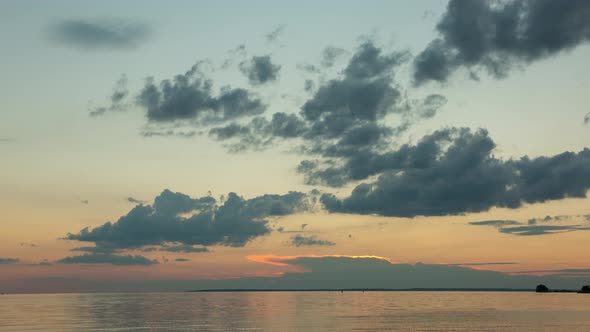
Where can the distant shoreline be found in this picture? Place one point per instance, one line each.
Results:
(253, 290)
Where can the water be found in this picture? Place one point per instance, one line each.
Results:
(297, 311)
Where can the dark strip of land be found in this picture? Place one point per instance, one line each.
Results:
(366, 290)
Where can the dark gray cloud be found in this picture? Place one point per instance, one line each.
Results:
(454, 171)
(260, 70)
(174, 203)
(99, 248)
(260, 132)
(532, 230)
(274, 35)
(301, 241)
(309, 86)
(532, 226)
(497, 36)
(348, 273)
(561, 271)
(229, 131)
(233, 54)
(182, 260)
(178, 218)
(168, 133)
(183, 248)
(547, 218)
(483, 264)
(364, 95)
(330, 55)
(120, 93)
(190, 97)
(107, 259)
(345, 114)
(495, 223)
(308, 68)
(101, 34)
(8, 260)
(135, 200)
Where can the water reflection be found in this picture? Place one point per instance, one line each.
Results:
(419, 311)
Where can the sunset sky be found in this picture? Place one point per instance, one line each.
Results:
(152, 146)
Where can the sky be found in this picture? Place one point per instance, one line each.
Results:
(151, 146)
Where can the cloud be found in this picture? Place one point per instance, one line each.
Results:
(354, 102)
(190, 97)
(177, 218)
(8, 260)
(532, 228)
(260, 132)
(233, 54)
(183, 248)
(542, 230)
(498, 36)
(454, 171)
(495, 223)
(308, 68)
(107, 259)
(120, 93)
(350, 272)
(229, 131)
(547, 218)
(344, 115)
(135, 200)
(330, 55)
(300, 241)
(182, 260)
(260, 70)
(273, 36)
(100, 34)
(174, 203)
(99, 248)
(168, 133)
(562, 272)
(483, 264)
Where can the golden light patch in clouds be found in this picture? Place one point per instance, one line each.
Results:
(284, 260)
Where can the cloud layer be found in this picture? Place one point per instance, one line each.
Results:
(498, 36)
(177, 218)
(301, 241)
(454, 171)
(260, 70)
(101, 34)
(190, 97)
(107, 259)
(346, 272)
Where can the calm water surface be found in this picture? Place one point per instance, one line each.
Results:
(297, 311)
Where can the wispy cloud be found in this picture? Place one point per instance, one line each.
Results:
(100, 33)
